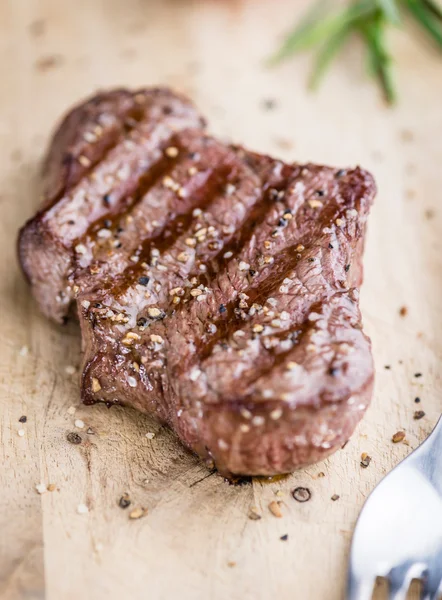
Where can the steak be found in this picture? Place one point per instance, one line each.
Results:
(216, 288)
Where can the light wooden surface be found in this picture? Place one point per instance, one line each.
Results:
(196, 542)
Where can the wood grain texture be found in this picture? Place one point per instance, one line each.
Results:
(196, 540)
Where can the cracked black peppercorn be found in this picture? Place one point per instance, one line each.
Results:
(301, 494)
(365, 460)
(143, 280)
(124, 501)
(74, 438)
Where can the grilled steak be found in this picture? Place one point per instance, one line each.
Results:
(216, 289)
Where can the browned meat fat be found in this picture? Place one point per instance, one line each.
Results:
(216, 288)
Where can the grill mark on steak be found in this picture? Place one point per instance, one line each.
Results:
(194, 191)
(204, 198)
(278, 270)
(205, 195)
(132, 119)
(256, 358)
(51, 233)
(152, 174)
(118, 132)
(258, 289)
(254, 220)
(78, 129)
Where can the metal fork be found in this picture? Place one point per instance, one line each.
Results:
(399, 531)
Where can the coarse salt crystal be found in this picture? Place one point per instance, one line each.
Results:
(171, 151)
(245, 413)
(150, 435)
(292, 365)
(194, 374)
(80, 249)
(276, 414)
(82, 509)
(104, 233)
(79, 423)
(132, 381)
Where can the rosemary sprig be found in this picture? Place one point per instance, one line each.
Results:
(369, 18)
(326, 54)
(380, 61)
(428, 15)
(313, 29)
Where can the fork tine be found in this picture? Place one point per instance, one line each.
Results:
(432, 590)
(360, 589)
(400, 579)
(433, 579)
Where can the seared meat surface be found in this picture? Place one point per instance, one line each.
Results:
(216, 289)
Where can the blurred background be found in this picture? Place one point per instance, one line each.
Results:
(197, 541)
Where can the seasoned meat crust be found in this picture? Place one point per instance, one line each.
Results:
(216, 288)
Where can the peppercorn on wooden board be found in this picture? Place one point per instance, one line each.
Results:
(68, 472)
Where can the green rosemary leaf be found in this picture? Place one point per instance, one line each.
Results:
(314, 31)
(326, 54)
(426, 19)
(434, 7)
(373, 30)
(390, 10)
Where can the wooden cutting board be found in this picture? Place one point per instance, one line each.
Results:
(197, 541)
